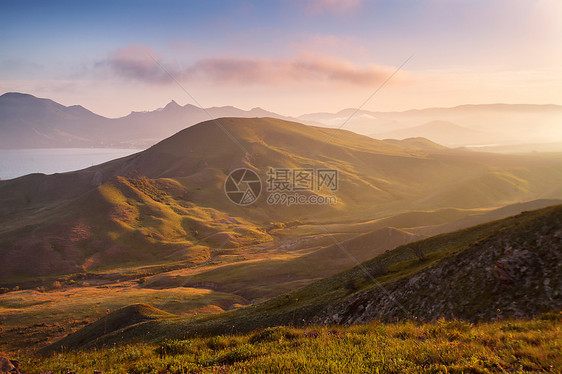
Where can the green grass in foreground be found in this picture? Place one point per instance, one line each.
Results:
(406, 347)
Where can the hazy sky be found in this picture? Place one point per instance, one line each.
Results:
(288, 56)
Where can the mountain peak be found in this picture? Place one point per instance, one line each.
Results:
(14, 100)
(172, 105)
(17, 96)
(260, 111)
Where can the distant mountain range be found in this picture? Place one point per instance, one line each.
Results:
(486, 124)
(30, 122)
(442, 132)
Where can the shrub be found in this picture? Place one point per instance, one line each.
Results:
(236, 355)
(272, 334)
(351, 285)
(376, 270)
(173, 347)
(417, 249)
(218, 342)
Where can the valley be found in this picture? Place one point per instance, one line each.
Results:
(156, 227)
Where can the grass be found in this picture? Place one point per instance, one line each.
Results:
(319, 301)
(233, 275)
(33, 319)
(124, 222)
(445, 346)
(276, 274)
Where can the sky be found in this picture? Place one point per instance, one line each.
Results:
(288, 56)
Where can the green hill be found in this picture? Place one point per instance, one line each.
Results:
(167, 204)
(444, 346)
(506, 268)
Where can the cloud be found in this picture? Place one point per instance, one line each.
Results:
(135, 62)
(278, 71)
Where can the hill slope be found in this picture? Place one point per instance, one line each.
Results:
(521, 346)
(168, 202)
(506, 268)
(515, 272)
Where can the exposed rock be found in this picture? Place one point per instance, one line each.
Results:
(10, 366)
(515, 272)
(5, 365)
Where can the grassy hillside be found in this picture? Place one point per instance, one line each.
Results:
(446, 346)
(506, 268)
(125, 222)
(258, 280)
(167, 204)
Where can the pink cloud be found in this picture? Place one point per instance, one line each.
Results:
(137, 62)
(308, 69)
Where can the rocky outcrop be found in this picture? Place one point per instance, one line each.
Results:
(10, 366)
(516, 272)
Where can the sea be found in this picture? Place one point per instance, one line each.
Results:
(18, 162)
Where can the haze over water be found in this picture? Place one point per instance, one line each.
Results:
(18, 162)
